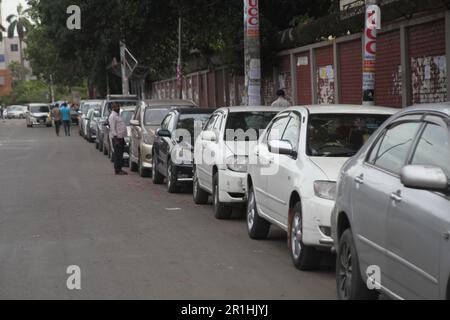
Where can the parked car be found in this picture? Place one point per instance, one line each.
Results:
(105, 113)
(147, 120)
(92, 118)
(294, 169)
(220, 161)
(85, 107)
(38, 114)
(173, 146)
(127, 113)
(391, 222)
(16, 112)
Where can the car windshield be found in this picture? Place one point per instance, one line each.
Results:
(246, 121)
(90, 106)
(154, 117)
(40, 109)
(127, 116)
(189, 122)
(340, 135)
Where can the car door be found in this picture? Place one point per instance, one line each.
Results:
(370, 193)
(281, 177)
(167, 144)
(204, 165)
(159, 143)
(418, 221)
(269, 164)
(136, 134)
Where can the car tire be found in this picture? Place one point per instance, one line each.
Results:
(133, 166)
(201, 197)
(221, 210)
(157, 177)
(305, 258)
(350, 284)
(143, 172)
(257, 227)
(172, 179)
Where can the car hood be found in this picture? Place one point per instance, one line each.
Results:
(39, 114)
(331, 167)
(240, 148)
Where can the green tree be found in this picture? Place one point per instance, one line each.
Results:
(19, 23)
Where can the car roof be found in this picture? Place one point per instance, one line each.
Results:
(241, 109)
(443, 107)
(169, 103)
(38, 105)
(344, 109)
(193, 110)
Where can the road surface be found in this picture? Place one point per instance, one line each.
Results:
(61, 205)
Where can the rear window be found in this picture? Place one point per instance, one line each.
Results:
(154, 117)
(40, 109)
(246, 121)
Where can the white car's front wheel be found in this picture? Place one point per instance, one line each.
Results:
(257, 227)
(304, 257)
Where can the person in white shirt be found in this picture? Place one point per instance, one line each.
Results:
(117, 134)
(281, 102)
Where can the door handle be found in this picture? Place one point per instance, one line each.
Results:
(360, 179)
(397, 197)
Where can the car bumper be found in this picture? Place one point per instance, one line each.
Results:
(317, 222)
(41, 122)
(232, 186)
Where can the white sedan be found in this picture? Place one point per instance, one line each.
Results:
(292, 182)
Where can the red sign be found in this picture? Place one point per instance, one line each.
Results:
(252, 17)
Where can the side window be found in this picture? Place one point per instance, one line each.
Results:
(278, 128)
(434, 147)
(218, 123)
(292, 132)
(392, 150)
(210, 125)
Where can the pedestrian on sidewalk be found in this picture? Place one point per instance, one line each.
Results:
(65, 113)
(281, 102)
(56, 115)
(117, 134)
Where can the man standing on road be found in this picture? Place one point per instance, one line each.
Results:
(117, 134)
(65, 113)
(281, 102)
(56, 114)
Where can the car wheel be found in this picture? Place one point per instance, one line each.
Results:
(350, 285)
(221, 210)
(133, 166)
(172, 179)
(143, 172)
(158, 178)
(257, 227)
(200, 195)
(305, 258)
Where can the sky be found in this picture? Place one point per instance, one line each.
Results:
(9, 7)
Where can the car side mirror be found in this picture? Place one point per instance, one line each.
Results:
(209, 136)
(164, 133)
(282, 148)
(425, 178)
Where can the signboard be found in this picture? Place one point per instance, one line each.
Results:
(252, 18)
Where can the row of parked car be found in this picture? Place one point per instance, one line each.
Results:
(370, 184)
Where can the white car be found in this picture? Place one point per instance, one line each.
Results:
(38, 114)
(293, 182)
(221, 155)
(15, 112)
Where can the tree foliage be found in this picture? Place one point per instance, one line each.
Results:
(150, 30)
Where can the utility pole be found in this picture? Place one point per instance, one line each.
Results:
(180, 62)
(372, 24)
(123, 63)
(252, 53)
(52, 92)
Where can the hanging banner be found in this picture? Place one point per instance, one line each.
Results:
(373, 23)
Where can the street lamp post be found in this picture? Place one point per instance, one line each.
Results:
(252, 53)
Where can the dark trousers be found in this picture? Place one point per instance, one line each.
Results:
(119, 149)
(57, 127)
(67, 127)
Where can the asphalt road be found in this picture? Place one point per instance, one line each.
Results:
(61, 205)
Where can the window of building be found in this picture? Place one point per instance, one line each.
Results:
(2, 58)
(14, 47)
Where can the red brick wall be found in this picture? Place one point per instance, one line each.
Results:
(387, 85)
(304, 81)
(427, 54)
(350, 66)
(325, 86)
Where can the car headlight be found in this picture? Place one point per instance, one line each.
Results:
(148, 139)
(325, 189)
(238, 163)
